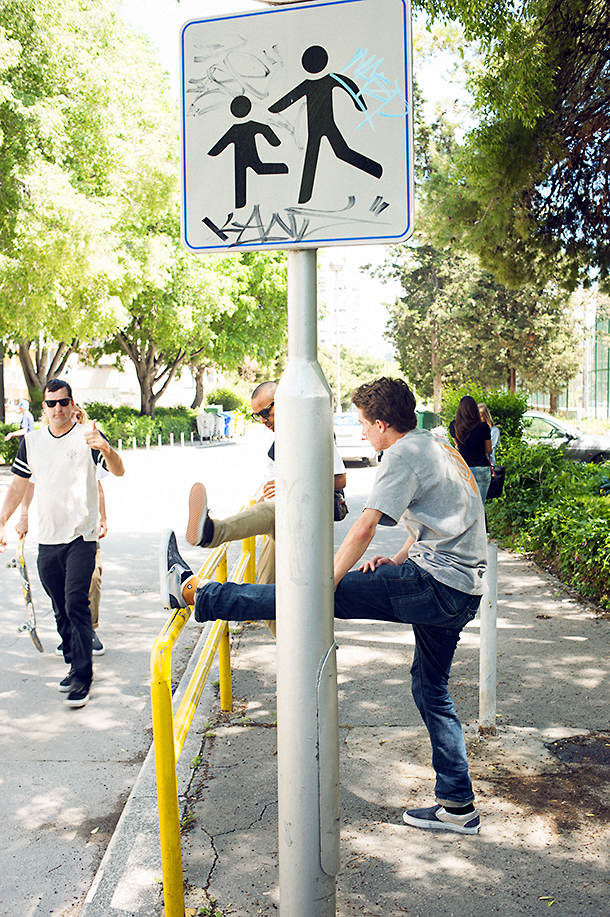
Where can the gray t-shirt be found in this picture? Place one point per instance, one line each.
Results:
(426, 485)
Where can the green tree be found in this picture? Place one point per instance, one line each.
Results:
(528, 189)
(89, 162)
(422, 323)
(456, 321)
(356, 368)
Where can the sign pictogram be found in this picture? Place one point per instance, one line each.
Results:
(297, 127)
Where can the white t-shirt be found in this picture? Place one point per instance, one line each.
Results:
(425, 484)
(65, 469)
(269, 475)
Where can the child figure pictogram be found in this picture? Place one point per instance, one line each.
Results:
(243, 138)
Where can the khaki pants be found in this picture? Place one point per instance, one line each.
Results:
(257, 520)
(95, 590)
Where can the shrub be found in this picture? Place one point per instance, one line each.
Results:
(552, 508)
(229, 400)
(8, 450)
(125, 423)
(506, 408)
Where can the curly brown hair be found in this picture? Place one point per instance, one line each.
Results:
(390, 400)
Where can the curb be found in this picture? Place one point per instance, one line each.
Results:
(128, 882)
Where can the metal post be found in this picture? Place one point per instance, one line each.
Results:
(308, 744)
(488, 651)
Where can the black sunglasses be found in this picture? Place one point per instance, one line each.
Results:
(264, 414)
(50, 402)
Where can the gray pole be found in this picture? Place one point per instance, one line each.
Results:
(488, 642)
(308, 733)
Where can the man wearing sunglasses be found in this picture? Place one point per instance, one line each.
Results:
(260, 518)
(63, 458)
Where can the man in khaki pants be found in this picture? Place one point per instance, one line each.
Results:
(258, 519)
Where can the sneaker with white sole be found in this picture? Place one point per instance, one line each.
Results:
(97, 646)
(173, 572)
(436, 818)
(79, 694)
(65, 684)
(200, 528)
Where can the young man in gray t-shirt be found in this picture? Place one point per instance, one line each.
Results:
(434, 582)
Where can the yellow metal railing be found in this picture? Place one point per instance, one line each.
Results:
(170, 729)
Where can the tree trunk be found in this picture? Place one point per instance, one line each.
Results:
(45, 365)
(511, 379)
(554, 402)
(437, 379)
(146, 377)
(198, 376)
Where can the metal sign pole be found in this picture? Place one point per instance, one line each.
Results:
(308, 734)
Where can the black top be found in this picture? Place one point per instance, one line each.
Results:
(473, 450)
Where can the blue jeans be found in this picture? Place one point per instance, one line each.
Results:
(404, 595)
(482, 475)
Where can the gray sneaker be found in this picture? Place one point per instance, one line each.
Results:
(200, 528)
(173, 572)
(437, 818)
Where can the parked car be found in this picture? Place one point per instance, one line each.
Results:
(577, 446)
(351, 441)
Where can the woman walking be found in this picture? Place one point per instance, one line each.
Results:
(473, 439)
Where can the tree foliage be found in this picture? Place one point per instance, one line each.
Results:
(529, 189)
(455, 321)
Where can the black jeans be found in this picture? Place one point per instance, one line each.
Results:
(65, 572)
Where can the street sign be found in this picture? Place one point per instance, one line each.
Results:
(297, 127)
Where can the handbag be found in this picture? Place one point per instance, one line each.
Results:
(341, 509)
(497, 482)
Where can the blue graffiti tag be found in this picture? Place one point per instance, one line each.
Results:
(376, 86)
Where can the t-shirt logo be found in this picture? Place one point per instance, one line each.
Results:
(460, 465)
(71, 454)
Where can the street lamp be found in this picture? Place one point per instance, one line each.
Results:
(336, 266)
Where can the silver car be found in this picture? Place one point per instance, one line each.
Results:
(576, 445)
(351, 441)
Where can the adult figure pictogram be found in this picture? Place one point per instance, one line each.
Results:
(243, 138)
(321, 120)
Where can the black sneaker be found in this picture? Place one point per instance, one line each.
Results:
(80, 693)
(66, 683)
(200, 528)
(437, 818)
(173, 572)
(98, 646)
(59, 650)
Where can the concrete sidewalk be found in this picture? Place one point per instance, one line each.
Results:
(541, 783)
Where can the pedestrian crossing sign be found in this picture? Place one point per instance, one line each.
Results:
(297, 127)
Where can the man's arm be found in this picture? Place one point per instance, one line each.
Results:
(356, 542)
(103, 519)
(379, 559)
(23, 524)
(340, 481)
(114, 462)
(14, 495)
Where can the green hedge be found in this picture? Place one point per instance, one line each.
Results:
(229, 400)
(553, 508)
(8, 450)
(506, 408)
(125, 423)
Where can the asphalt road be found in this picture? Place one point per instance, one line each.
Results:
(66, 774)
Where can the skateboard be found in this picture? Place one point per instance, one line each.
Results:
(30, 624)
